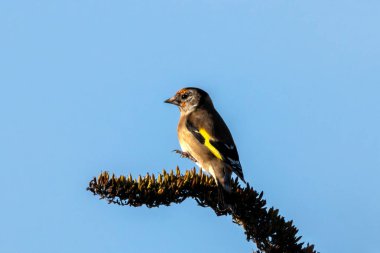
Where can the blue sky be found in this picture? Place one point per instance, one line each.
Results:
(82, 86)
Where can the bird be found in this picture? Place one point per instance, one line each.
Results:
(205, 138)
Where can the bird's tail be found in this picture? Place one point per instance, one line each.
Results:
(224, 191)
(225, 199)
(222, 177)
(227, 183)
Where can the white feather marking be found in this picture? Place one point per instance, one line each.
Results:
(233, 162)
(229, 146)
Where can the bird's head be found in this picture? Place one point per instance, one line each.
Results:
(189, 99)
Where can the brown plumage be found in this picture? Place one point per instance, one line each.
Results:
(205, 137)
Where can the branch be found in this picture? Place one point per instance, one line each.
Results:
(265, 227)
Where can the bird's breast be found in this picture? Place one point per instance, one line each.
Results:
(184, 136)
(190, 144)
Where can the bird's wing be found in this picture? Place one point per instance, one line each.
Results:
(215, 135)
(230, 156)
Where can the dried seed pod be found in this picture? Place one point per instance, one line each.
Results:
(159, 179)
(139, 180)
(262, 225)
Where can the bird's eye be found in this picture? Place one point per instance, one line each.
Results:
(184, 96)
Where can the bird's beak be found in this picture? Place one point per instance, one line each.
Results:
(172, 100)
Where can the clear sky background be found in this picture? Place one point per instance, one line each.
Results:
(82, 85)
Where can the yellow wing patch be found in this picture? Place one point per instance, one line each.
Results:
(207, 143)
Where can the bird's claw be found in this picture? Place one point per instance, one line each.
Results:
(185, 155)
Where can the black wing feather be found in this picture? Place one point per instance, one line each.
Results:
(225, 146)
(230, 156)
(195, 132)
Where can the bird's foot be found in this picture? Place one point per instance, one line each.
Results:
(185, 155)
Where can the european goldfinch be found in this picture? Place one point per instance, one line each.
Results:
(204, 137)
